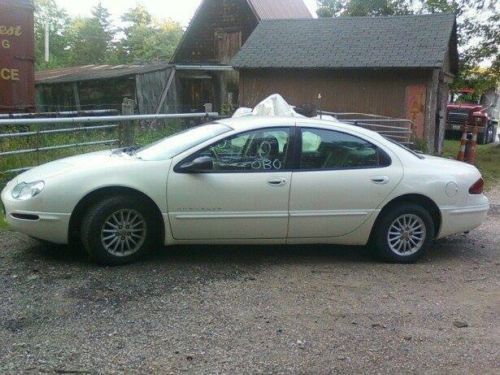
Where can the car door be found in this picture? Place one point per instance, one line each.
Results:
(340, 180)
(244, 194)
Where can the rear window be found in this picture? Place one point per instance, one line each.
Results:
(420, 156)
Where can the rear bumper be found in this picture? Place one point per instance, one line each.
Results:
(458, 220)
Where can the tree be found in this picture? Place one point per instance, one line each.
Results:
(90, 38)
(336, 8)
(146, 39)
(47, 12)
(331, 8)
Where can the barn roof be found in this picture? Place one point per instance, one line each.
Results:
(421, 41)
(261, 9)
(93, 72)
(279, 9)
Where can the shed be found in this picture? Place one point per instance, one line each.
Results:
(105, 86)
(216, 33)
(398, 66)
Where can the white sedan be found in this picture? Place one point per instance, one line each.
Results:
(252, 180)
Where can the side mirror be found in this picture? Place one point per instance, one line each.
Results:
(198, 165)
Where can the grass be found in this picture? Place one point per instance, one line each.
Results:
(487, 160)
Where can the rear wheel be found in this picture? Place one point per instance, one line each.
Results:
(404, 233)
(118, 230)
(487, 136)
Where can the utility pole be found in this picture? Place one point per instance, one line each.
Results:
(47, 42)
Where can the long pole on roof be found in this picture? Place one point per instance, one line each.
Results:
(47, 42)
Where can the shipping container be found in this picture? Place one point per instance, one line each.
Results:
(17, 76)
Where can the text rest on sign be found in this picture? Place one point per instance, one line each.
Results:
(7, 74)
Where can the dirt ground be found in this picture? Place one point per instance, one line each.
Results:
(228, 310)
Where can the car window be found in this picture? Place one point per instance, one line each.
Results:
(260, 150)
(327, 149)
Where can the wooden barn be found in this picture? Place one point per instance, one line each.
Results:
(396, 66)
(216, 33)
(105, 86)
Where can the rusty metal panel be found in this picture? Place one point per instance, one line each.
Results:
(415, 107)
(95, 72)
(17, 87)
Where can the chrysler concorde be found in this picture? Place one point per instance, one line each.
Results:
(250, 180)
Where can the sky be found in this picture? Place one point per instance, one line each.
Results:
(178, 10)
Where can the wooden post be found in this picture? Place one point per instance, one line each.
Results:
(126, 129)
(77, 96)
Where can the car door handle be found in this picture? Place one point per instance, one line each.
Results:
(277, 182)
(380, 180)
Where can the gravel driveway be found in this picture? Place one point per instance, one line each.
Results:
(303, 309)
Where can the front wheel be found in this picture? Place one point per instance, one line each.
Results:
(118, 230)
(404, 233)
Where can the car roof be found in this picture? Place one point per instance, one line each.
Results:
(255, 122)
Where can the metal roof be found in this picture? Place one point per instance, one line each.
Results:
(279, 9)
(94, 72)
(17, 3)
(421, 41)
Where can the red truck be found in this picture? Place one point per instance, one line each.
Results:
(466, 106)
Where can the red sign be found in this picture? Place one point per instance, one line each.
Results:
(17, 81)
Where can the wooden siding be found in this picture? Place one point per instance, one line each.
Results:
(149, 89)
(377, 91)
(223, 19)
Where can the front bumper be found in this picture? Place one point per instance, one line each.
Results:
(52, 227)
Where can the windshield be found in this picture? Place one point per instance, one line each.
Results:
(172, 146)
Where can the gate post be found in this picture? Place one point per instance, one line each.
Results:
(126, 128)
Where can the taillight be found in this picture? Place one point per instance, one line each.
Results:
(477, 188)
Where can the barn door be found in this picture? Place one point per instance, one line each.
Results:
(227, 44)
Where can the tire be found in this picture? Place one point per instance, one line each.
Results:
(491, 134)
(119, 230)
(387, 238)
(487, 136)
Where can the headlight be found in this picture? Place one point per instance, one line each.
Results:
(24, 191)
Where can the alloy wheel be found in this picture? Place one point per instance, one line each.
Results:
(124, 232)
(406, 235)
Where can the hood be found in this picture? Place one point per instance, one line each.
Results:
(466, 106)
(95, 160)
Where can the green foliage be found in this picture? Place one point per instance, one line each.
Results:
(94, 40)
(90, 38)
(147, 39)
(47, 12)
(355, 8)
(3, 224)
